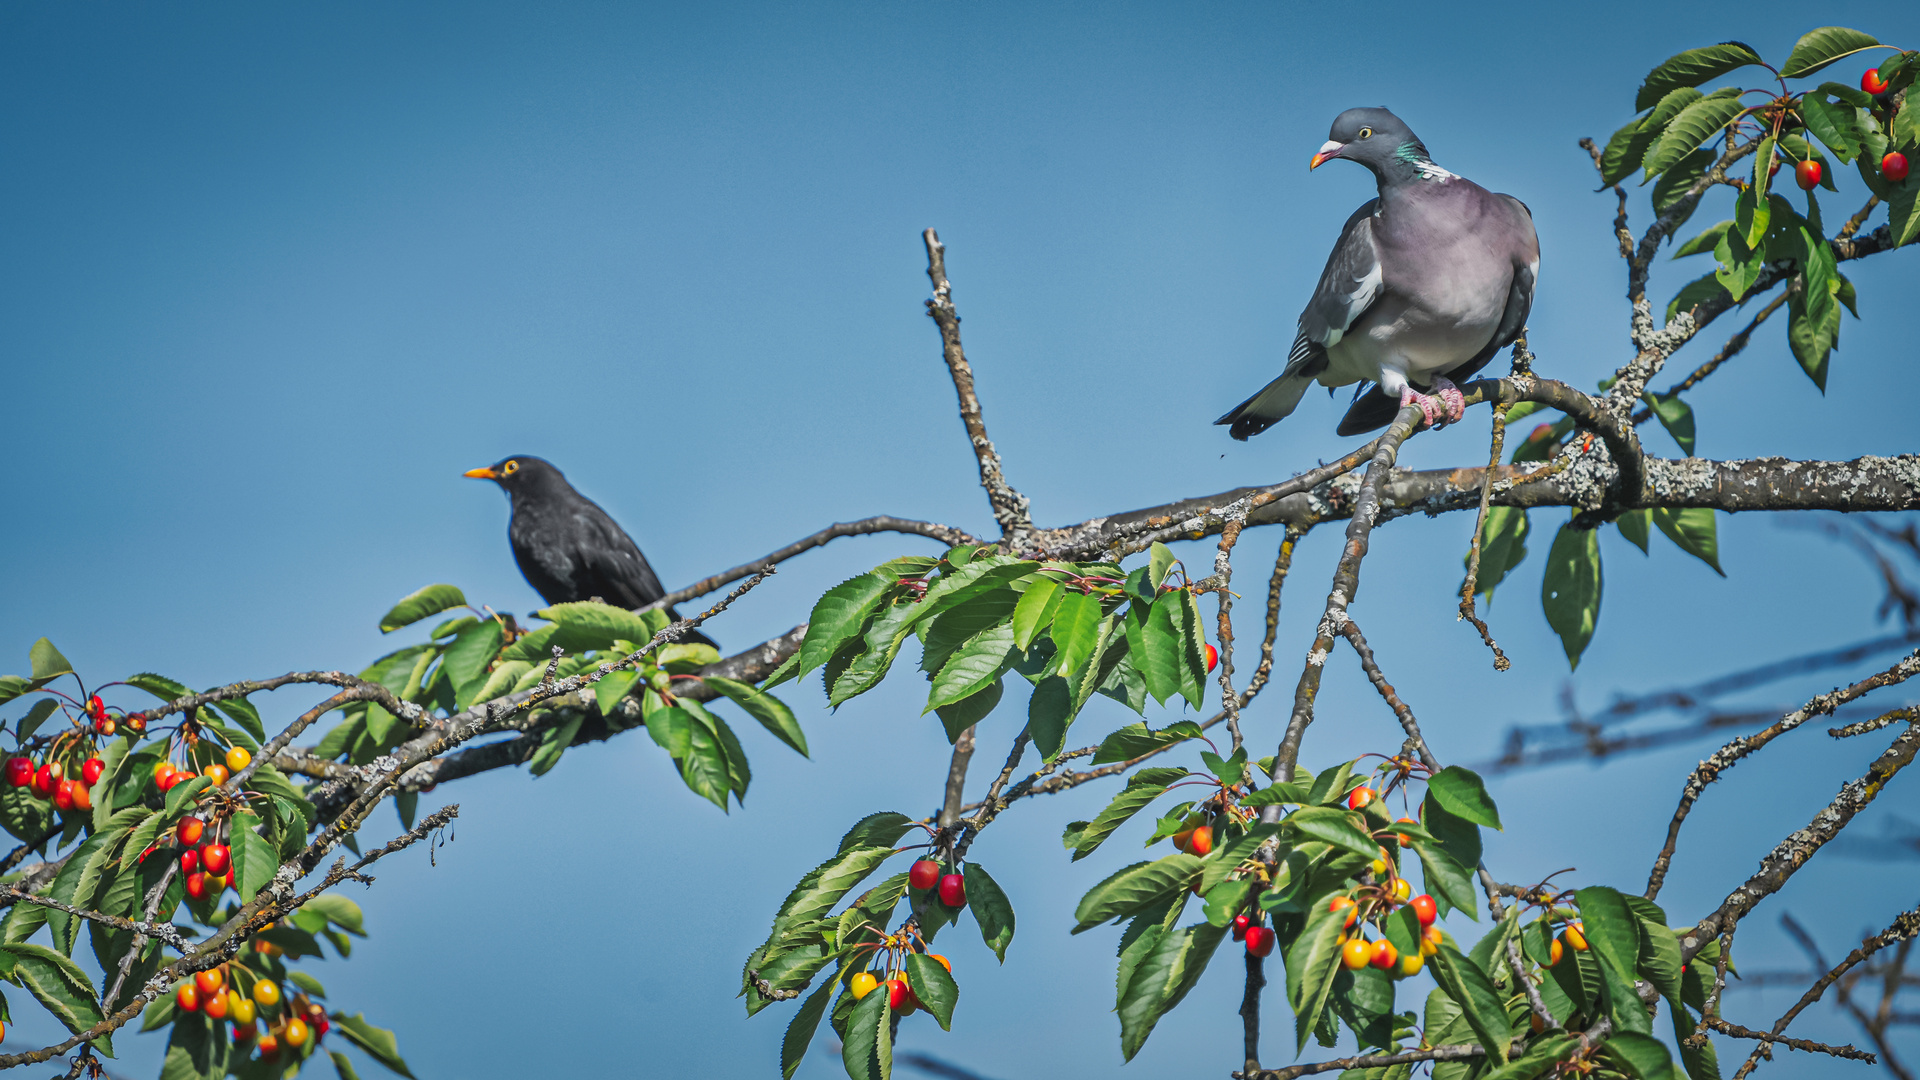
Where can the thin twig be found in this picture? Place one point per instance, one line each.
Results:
(1904, 927)
(1738, 1032)
(946, 534)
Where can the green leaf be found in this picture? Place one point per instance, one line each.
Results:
(1136, 739)
(1159, 651)
(883, 829)
(1676, 416)
(344, 1066)
(1470, 988)
(1812, 339)
(1627, 148)
(824, 885)
(254, 860)
(1611, 927)
(868, 1049)
(1700, 290)
(935, 988)
(431, 600)
(1818, 48)
(957, 717)
(338, 911)
(991, 910)
(1752, 216)
(1035, 611)
(1463, 794)
(1832, 124)
(1695, 124)
(973, 667)
(1694, 530)
(1570, 590)
(1633, 526)
(48, 664)
(607, 693)
(1133, 888)
(1160, 562)
(180, 797)
(839, 615)
(1049, 713)
(58, 983)
(1084, 837)
(1642, 1057)
(1691, 68)
(467, 659)
(1312, 960)
(584, 624)
(1704, 243)
(1336, 827)
(378, 1043)
(799, 1035)
(773, 714)
(1162, 979)
(1076, 629)
(1674, 184)
(1503, 545)
(1446, 878)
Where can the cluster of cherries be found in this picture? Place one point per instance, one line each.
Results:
(50, 781)
(210, 992)
(205, 860)
(900, 997)
(1893, 164)
(951, 888)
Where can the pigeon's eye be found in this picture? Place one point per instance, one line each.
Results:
(510, 468)
(1366, 133)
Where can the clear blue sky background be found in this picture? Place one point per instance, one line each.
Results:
(275, 275)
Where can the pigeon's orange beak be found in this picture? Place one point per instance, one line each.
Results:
(483, 473)
(1329, 149)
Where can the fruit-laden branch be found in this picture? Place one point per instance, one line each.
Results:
(1793, 852)
(1904, 928)
(224, 944)
(1727, 756)
(1010, 508)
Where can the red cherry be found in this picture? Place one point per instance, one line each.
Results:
(189, 861)
(104, 725)
(1425, 909)
(1201, 842)
(1241, 923)
(63, 794)
(320, 1024)
(82, 798)
(899, 996)
(924, 875)
(1894, 166)
(44, 780)
(197, 885)
(165, 776)
(1807, 174)
(96, 708)
(1361, 798)
(188, 998)
(90, 772)
(953, 891)
(216, 1005)
(1213, 659)
(208, 981)
(19, 771)
(1259, 941)
(191, 829)
(1384, 954)
(1872, 83)
(216, 858)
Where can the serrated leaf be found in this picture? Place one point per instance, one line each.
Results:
(773, 714)
(1702, 289)
(467, 659)
(799, 1036)
(973, 667)
(254, 860)
(1695, 124)
(1133, 888)
(415, 606)
(1161, 980)
(1818, 48)
(1570, 589)
(867, 1051)
(1470, 988)
(1463, 794)
(824, 885)
(931, 983)
(1446, 878)
(1674, 184)
(584, 625)
(1336, 827)
(1076, 630)
(991, 910)
(1083, 838)
(1642, 1057)
(1691, 68)
(378, 1043)
(1035, 610)
(58, 983)
(1702, 244)
(1312, 961)
(1832, 124)
(1136, 739)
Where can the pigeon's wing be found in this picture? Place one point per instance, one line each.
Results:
(1350, 283)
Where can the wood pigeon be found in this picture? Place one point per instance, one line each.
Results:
(1427, 282)
(567, 547)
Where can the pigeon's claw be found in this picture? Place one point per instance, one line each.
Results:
(1456, 402)
(1427, 406)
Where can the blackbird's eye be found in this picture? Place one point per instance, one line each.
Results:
(510, 468)
(1366, 133)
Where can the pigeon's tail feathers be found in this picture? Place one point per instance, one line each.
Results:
(1266, 408)
(1374, 409)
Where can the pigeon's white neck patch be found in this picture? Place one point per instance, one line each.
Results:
(1429, 171)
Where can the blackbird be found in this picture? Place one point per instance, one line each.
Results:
(567, 547)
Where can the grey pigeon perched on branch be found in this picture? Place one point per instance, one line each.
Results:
(1427, 282)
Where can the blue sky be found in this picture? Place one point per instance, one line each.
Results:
(276, 275)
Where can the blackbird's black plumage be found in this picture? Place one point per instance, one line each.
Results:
(567, 547)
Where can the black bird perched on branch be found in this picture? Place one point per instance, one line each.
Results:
(567, 547)
(1425, 284)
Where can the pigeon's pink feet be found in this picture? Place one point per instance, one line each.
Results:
(1428, 407)
(1445, 406)
(1450, 394)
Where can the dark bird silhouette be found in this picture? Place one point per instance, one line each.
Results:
(567, 547)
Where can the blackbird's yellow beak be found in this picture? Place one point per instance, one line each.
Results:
(1329, 149)
(483, 473)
